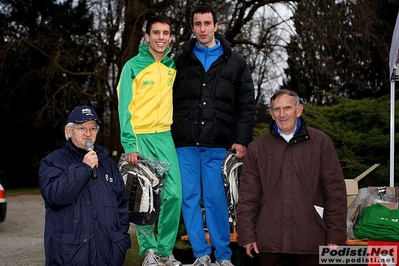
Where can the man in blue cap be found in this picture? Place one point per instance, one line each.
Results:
(86, 214)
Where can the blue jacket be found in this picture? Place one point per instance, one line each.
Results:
(86, 219)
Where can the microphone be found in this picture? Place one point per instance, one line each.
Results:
(90, 147)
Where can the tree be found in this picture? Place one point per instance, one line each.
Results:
(57, 54)
(242, 23)
(360, 132)
(341, 47)
(46, 66)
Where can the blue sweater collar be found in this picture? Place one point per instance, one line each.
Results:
(298, 126)
(208, 55)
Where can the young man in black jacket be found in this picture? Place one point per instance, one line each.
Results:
(214, 110)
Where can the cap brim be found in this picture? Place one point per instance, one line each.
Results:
(84, 121)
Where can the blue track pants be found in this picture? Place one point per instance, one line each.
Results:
(201, 171)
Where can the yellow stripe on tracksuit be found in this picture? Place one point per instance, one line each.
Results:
(145, 97)
(145, 116)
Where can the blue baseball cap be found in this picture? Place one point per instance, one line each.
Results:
(82, 114)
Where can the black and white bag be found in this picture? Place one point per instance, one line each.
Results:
(143, 187)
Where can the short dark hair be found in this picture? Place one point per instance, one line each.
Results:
(204, 9)
(156, 19)
(280, 92)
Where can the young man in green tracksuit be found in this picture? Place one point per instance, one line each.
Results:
(145, 116)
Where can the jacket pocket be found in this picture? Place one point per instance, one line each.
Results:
(71, 249)
(310, 232)
(223, 127)
(120, 244)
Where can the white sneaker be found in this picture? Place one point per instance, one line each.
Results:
(203, 261)
(224, 263)
(170, 261)
(150, 258)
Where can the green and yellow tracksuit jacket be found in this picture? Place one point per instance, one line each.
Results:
(146, 107)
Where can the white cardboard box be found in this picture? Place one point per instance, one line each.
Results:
(352, 187)
(350, 199)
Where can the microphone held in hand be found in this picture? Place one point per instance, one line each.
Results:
(90, 147)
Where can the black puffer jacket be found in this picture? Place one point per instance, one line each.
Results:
(214, 108)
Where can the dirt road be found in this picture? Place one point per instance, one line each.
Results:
(21, 234)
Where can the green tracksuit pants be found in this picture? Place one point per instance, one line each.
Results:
(161, 146)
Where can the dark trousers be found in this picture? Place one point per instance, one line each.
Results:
(281, 259)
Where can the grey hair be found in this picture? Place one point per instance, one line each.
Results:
(70, 125)
(281, 92)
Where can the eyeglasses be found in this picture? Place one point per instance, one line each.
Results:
(83, 130)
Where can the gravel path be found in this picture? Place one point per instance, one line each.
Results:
(21, 234)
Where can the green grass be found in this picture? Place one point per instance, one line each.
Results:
(133, 258)
(21, 191)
